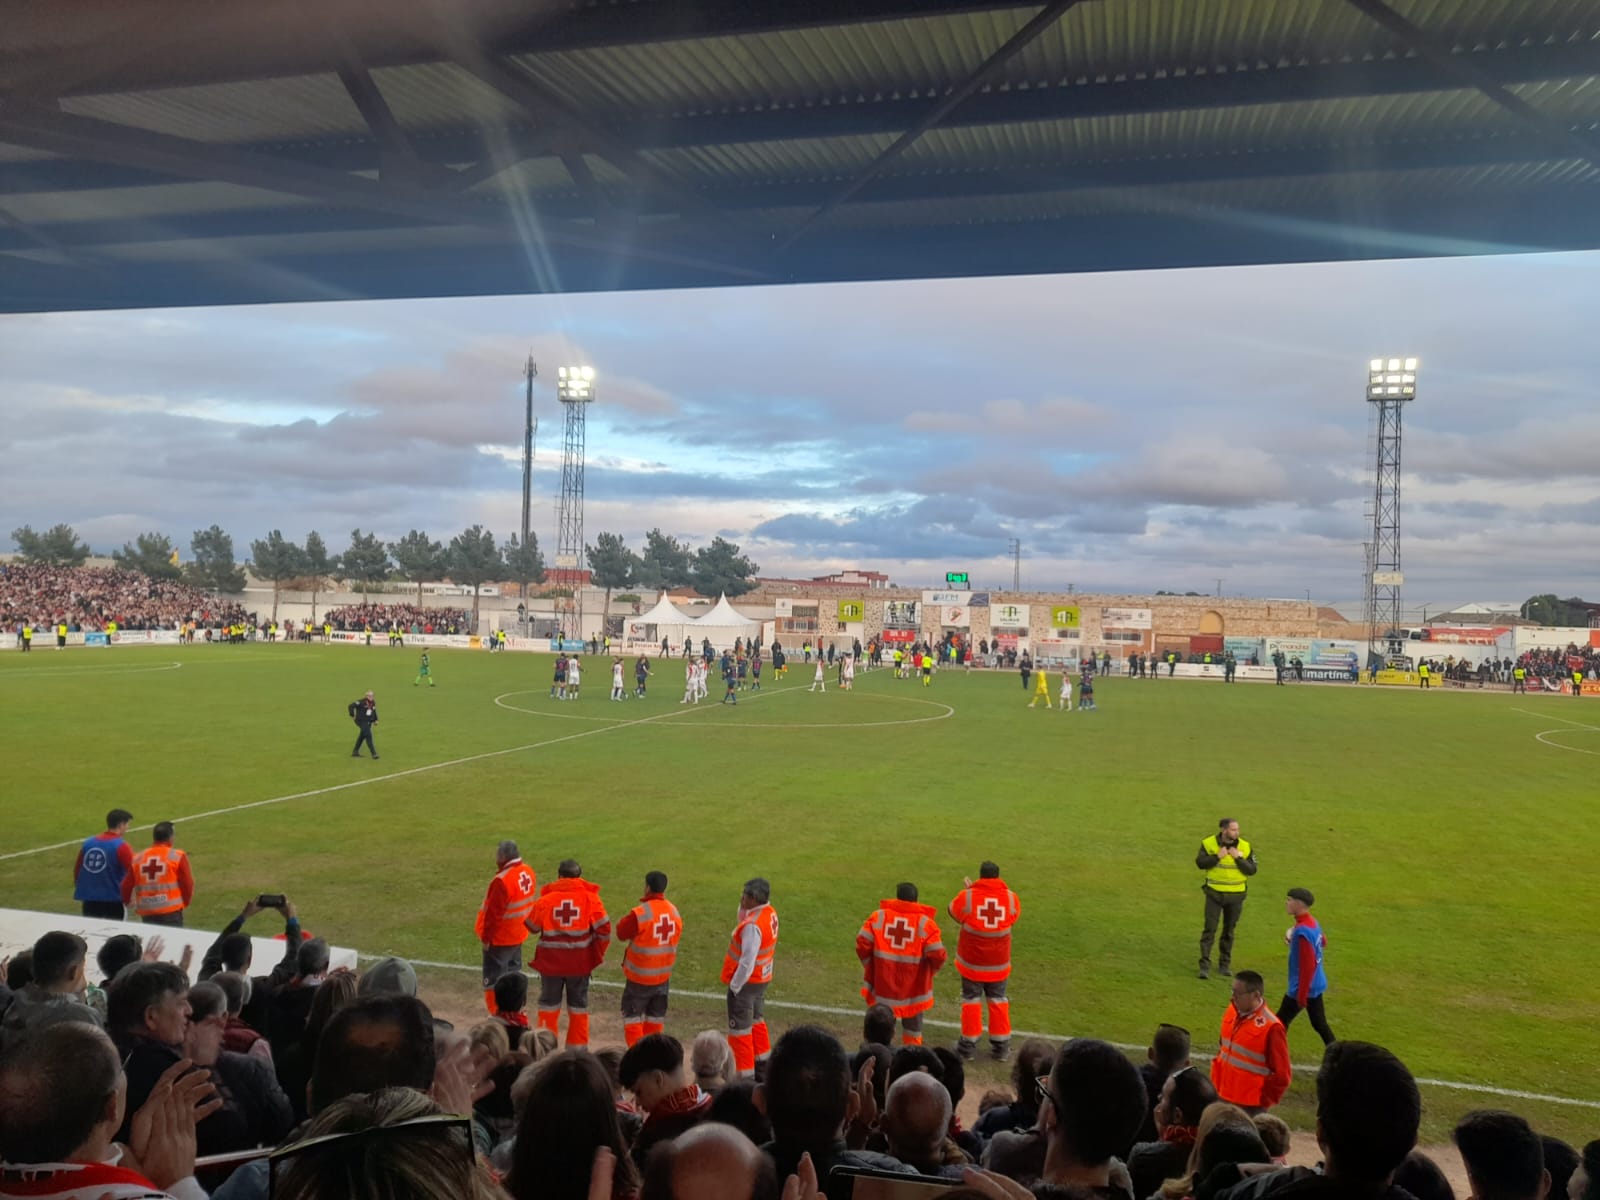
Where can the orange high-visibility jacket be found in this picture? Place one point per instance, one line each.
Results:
(652, 931)
(764, 919)
(574, 930)
(502, 918)
(901, 949)
(160, 881)
(986, 911)
(1252, 1067)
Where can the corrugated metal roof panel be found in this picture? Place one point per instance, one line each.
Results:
(1101, 39)
(303, 105)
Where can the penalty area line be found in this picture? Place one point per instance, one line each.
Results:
(356, 783)
(834, 1010)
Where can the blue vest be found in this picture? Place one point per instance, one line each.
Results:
(101, 875)
(1319, 981)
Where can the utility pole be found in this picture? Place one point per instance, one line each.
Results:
(1015, 547)
(530, 431)
(1219, 588)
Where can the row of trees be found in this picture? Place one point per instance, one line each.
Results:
(472, 558)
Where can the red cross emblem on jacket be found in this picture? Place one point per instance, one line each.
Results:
(566, 913)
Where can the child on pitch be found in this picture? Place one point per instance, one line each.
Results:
(819, 681)
(731, 679)
(744, 667)
(423, 672)
(755, 673)
(617, 692)
(1066, 690)
(1041, 688)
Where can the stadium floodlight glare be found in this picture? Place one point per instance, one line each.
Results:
(575, 385)
(1392, 379)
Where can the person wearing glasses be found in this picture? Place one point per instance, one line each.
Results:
(1251, 1069)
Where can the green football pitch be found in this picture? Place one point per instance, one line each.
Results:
(1449, 837)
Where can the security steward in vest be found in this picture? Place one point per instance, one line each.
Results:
(1228, 861)
(160, 885)
(502, 924)
(574, 934)
(1577, 681)
(747, 970)
(1519, 679)
(901, 950)
(1251, 1068)
(652, 929)
(61, 635)
(986, 910)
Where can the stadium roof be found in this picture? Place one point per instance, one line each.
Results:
(226, 151)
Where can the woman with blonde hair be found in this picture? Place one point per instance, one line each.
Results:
(1226, 1135)
(393, 1142)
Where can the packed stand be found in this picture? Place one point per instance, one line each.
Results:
(407, 618)
(119, 1077)
(89, 598)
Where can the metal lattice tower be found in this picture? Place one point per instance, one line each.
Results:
(1391, 385)
(530, 431)
(575, 390)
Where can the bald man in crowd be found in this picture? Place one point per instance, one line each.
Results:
(916, 1119)
(710, 1162)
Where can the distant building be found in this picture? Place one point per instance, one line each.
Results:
(853, 581)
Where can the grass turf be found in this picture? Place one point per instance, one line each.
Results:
(1451, 852)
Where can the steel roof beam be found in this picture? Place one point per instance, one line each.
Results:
(1140, 179)
(495, 151)
(105, 141)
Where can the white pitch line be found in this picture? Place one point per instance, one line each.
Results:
(839, 1011)
(77, 672)
(736, 724)
(355, 783)
(1552, 717)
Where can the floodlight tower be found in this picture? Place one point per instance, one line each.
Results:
(1391, 385)
(530, 432)
(575, 390)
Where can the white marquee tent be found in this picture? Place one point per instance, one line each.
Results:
(722, 624)
(670, 622)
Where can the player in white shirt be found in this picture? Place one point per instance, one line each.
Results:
(617, 692)
(848, 675)
(574, 678)
(819, 680)
(1066, 690)
(691, 682)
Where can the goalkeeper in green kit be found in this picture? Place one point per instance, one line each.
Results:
(423, 672)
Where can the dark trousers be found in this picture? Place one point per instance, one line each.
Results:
(1226, 907)
(364, 736)
(1290, 1008)
(103, 910)
(174, 919)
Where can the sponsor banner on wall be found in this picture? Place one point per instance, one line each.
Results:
(901, 614)
(1291, 647)
(1243, 649)
(957, 616)
(1004, 641)
(144, 637)
(784, 607)
(1125, 618)
(936, 598)
(852, 610)
(1066, 616)
(96, 639)
(981, 600)
(1009, 616)
(906, 636)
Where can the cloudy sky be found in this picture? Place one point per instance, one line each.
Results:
(1136, 431)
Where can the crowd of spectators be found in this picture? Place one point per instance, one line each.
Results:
(1548, 664)
(408, 618)
(87, 598)
(310, 1083)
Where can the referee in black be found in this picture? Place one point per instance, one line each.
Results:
(364, 712)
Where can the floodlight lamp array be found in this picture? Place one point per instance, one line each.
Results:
(574, 384)
(1392, 379)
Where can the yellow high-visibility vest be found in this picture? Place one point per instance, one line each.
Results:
(1226, 876)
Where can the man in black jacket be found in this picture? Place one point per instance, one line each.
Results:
(364, 712)
(147, 1015)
